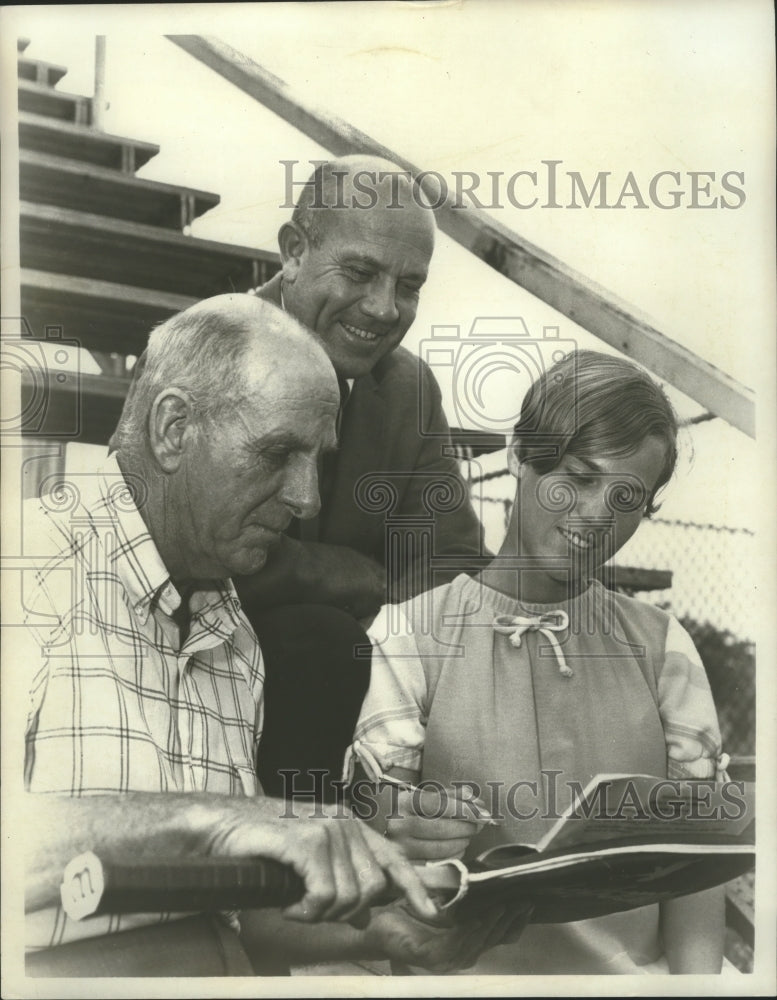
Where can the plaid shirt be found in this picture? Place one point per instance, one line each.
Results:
(117, 702)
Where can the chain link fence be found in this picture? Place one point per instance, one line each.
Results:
(713, 595)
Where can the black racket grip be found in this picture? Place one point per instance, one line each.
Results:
(91, 885)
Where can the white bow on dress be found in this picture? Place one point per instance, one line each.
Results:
(553, 621)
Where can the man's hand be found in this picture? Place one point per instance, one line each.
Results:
(345, 866)
(315, 573)
(353, 582)
(449, 943)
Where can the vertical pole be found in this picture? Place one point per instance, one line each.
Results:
(98, 102)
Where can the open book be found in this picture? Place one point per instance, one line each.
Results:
(626, 841)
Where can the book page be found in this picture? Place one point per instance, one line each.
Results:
(644, 808)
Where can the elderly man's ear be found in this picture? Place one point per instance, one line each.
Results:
(293, 244)
(171, 425)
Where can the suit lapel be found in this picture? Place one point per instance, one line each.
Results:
(310, 530)
(362, 450)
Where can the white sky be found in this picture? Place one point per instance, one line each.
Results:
(493, 86)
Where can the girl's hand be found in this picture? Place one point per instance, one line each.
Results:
(433, 824)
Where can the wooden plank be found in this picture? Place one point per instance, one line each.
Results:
(82, 407)
(740, 916)
(636, 579)
(99, 315)
(129, 253)
(125, 295)
(566, 290)
(112, 364)
(52, 180)
(42, 100)
(46, 73)
(741, 767)
(77, 142)
(472, 443)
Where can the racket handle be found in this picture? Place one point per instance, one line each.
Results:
(91, 885)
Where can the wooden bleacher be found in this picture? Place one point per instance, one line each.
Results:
(105, 254)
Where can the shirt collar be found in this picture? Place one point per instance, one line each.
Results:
(133, 554)
(128, 546)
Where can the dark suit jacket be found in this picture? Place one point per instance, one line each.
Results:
(390, 476)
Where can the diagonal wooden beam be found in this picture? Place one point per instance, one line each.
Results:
(583, 301)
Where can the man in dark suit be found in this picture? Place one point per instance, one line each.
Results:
(354, 275)
(355, 255)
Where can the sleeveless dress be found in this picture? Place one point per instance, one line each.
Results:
(454, 698)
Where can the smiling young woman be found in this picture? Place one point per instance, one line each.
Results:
(533, 669)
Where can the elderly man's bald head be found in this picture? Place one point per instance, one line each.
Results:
(218, 351)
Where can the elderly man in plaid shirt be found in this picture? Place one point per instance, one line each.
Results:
(145, 707)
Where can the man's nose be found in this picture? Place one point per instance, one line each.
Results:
(300, 489)
(380, 303)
